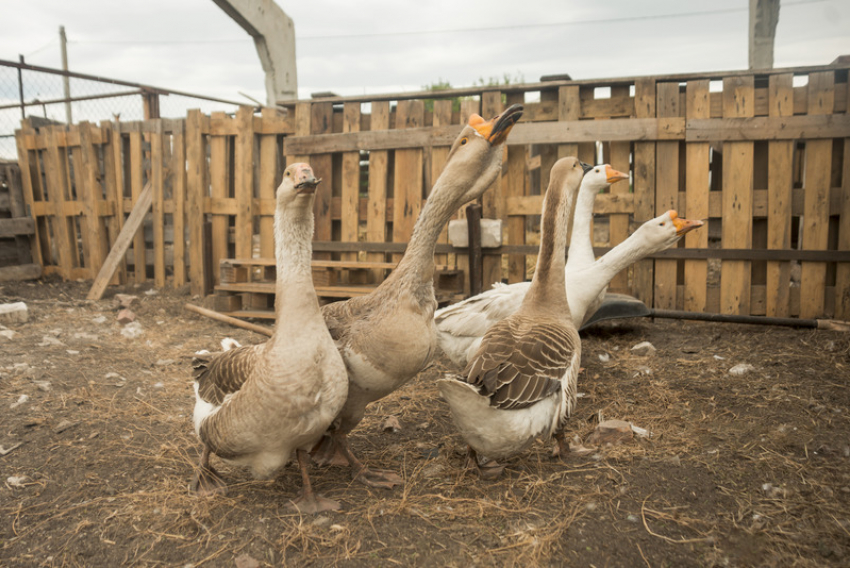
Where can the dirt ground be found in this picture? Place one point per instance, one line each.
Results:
(749, 470)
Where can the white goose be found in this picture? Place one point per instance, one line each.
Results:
(461, 326)
(521, 382)
(388, 336)
(257, 404)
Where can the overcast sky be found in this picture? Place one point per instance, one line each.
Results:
(370, 46)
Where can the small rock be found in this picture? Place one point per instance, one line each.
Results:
(125, 300)
(21, 400)
(17, 480)
(99, 319)
(8, 334)
(321, 521)
(433, 469)
(644, 348)
(158, 386)
(604, 357)
(632, 518)
(164, 362)
(64, 425)
(132, 330)
(126, 316)
(47, 340)
(43, 385)
(245, 560)
(611, 432)
(741, 369)
(16, 312)
(151, 292)
(423, 426)
(72, 352)
(391, 424)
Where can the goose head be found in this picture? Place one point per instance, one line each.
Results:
(298, 187)
(475, 158)
(665, 230)
(600, 177)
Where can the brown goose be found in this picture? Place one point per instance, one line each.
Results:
(257, 404)
(388, 336)
(521, 383)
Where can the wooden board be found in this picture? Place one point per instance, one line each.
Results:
(131, 227)
(178, 195)
(618, 224)
(735, 276)
(780, 187)
(244, 182)
(195, 189)
(644, 187)
(407, 178)
(515, 187)
(55, 173)
(321, 122)
(666, 192)
(491, 105)
(158, 203)
(136, 179)
(842, 271)
(376, 213)
(350, 193)
(697, 194)
(815, 226)
(111, 221)
(220, 169)
(270, 175)
(27, 169)
(442, 117)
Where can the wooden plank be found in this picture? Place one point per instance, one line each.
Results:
(178, 196)
(27, 168)
(20, 272)
(130, 228)
(644, 187)
(516, 177)
(736, 275)
(350, 220)
(442, 117)
(842, 270)
(815, 225)
(220, 169)
(467, 108)
(321, 122)
(13, 201)
(491, 105)
(195, 190)
(121, 160)
(16, 226)
(697, 192)
(780, 188)
(158, 197)
(63, 235)
(244, 181)
(812, 126)
(109, 190)
(666, 192)
(136, 177)
(407, 178)
(618, 225)
(270, 174)
(91, 192)
(569, 107)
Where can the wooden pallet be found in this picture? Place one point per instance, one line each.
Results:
(247, 286)
(17, 229)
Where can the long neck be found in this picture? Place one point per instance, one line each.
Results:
(581, 244)
(548, 284)
(295, 296)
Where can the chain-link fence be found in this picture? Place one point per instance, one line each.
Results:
(91, 99)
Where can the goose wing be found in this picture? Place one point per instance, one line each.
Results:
(222, 374)
(522, 361)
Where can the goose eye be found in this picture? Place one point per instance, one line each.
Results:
(287, 173)
(661, 224)
(596, 170)
(463, 141)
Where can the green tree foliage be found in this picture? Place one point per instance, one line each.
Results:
(441, 85)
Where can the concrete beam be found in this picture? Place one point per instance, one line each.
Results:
(274, 37)
(764, 15)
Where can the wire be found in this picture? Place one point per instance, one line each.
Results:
(461, 30)
(42, 48)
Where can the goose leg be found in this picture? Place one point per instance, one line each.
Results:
(563, 449)
(380, 478)
(488, 471)
(308, 502)
(328, 453)
(207, 481)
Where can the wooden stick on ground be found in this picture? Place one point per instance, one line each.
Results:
(227, 319)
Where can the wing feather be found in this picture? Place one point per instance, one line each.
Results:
(222, 374)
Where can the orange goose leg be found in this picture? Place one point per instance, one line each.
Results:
(308, 502)
(207, 481)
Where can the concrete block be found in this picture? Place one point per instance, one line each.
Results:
(491, 233)
(15, 312)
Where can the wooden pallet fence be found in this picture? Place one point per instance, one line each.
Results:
(764, 157)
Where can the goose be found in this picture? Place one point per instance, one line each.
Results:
(460, 326)
(521, 381)
(388, 336)
(256, 404)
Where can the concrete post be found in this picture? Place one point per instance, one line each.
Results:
(764, 15)
(274, 37)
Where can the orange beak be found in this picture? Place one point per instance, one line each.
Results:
(306, 181)
(683, 225)
(496, 130)
(613, 176)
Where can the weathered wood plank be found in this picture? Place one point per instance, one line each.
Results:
(157, 208)
(407, 178)
(220, 169)
(815, 226)
(736, 275)
(376, 213)
(20, 272)
(515, 188)
(55, 172)
(779, 190)
(244, 181)
(666, 192)
(27, 168)
(136, 179)
(178, 195)
(842, 271)
(442, 117)
(321, 122)
(269, 176)
(569, 107)
(16, 226)
(350, 193)
(111, 220)
(195, 190)
(91, 192)
(491, 105)
(783, 127)
(697, 191)
(619, 223)
(644, 186)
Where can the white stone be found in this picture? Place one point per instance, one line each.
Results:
(8, 334)
(491, 233)
(644, 348)
(21, 400)
(15, 312)
(604, 357)
(132, 330)
(741, 369)
(16, 480)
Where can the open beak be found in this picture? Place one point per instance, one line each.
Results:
(307, 181)
(496, 130)
(613, 176)
(684, 225)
